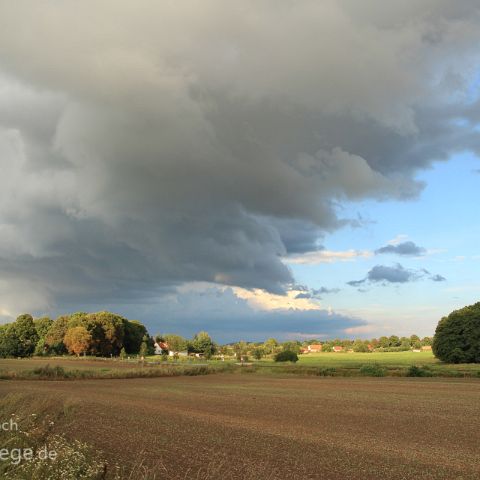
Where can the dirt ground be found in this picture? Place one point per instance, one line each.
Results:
(242, 426)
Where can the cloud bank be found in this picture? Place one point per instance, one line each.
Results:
(141, 148)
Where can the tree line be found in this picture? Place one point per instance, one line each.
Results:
(108, 334)
(100, 334)
(457, 339)
(272, 346)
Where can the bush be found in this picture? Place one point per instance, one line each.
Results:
(415, 371)
(50, 372)
(457, 337)
(286, 356)
(373, 370)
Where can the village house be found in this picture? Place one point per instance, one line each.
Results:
(162, 347)
(315, 348)
(337, 348)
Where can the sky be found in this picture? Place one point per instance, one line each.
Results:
(254, 169)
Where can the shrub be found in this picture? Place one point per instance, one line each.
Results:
(373, 370)
(415, 371)
(326, 372)
(457, 336)
(286, 356)
(258, 353)
(50, 372)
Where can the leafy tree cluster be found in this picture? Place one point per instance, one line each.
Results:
(457, 336)
(272, 346)
(392, 343)
(20, 338)
(101, 334)
(201, 343)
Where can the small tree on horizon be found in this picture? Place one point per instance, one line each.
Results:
(144, 347)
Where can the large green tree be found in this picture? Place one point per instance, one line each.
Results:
(106, 329)
(457, 336)
(292, 346)
(202, 343)
(134, 333)
(176, 343)
(56, 334)
(24, 336)
(42, 326)
(270, 346)
(8, 342)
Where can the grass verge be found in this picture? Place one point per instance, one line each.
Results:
(57, 372)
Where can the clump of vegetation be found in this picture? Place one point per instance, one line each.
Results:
(286, 356)
(35, 451)
(98, 334)
(326, 372)
(457, 336)
(59, 373)
(50, 372)
(415, 371)
(73, 461)
(373, 370)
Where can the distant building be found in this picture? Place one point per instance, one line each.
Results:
(426, 348)
(315, 348)
(161, 348)
(337, 348)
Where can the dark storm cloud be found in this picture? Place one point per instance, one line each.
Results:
(141, 148)
(405, 248)
(385, 274)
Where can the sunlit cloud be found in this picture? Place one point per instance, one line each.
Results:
(329, 256)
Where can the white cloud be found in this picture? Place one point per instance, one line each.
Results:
(328, 256)
(262, 300)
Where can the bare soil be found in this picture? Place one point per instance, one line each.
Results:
(242, 426)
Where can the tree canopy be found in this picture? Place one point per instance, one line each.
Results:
(457, 337)
(77, 340)
(102, 333)
(202, 343)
